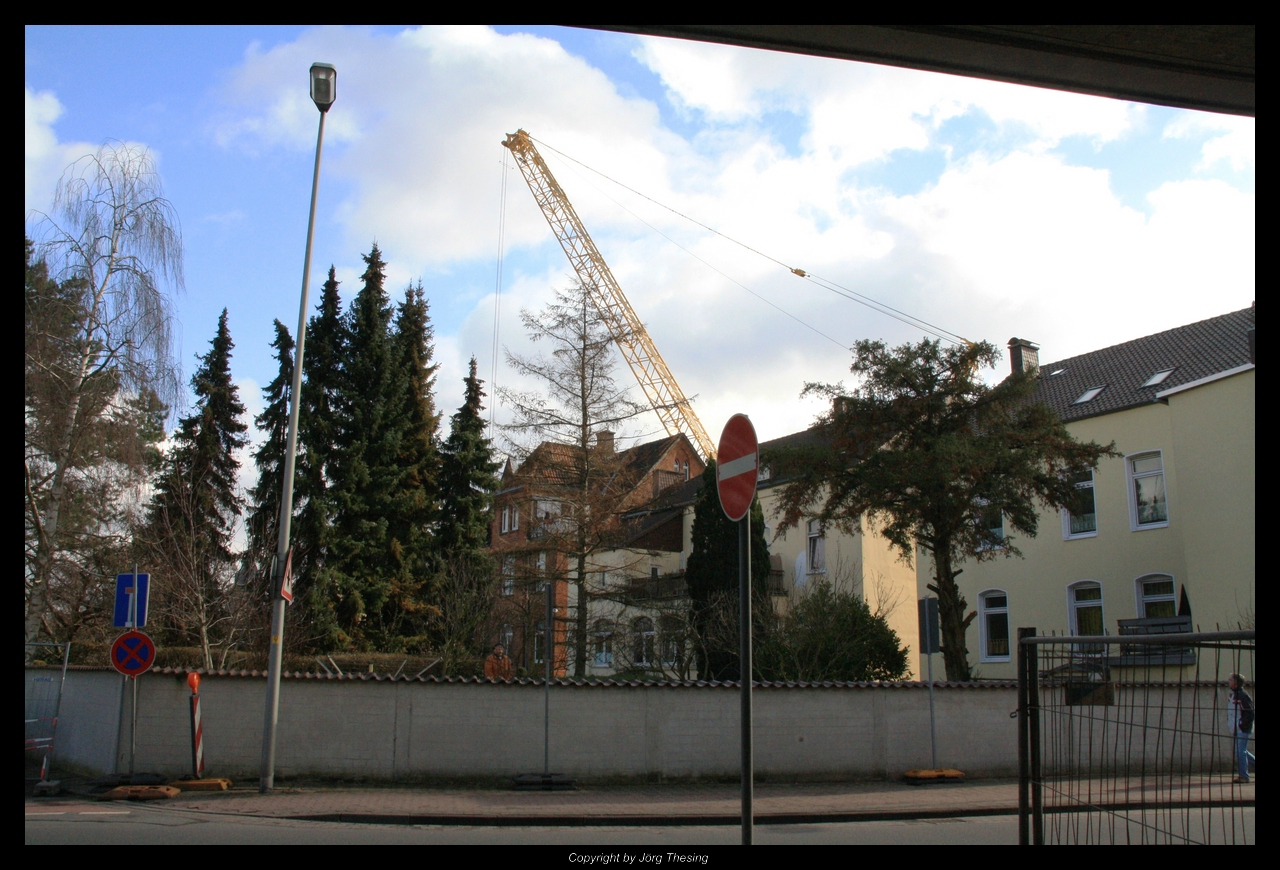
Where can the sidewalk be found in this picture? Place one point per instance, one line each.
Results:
(677, 804)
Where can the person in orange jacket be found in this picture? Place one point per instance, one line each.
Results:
(498, 666)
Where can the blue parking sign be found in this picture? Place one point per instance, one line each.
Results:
(125, 589)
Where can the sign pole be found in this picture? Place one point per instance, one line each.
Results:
(744, 671)
(737, 471)
(133, 718)
(548, 647)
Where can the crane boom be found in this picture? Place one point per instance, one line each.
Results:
(638, 349)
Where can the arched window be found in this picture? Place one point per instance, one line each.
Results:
(603, 643)
(643, 639)
(1084, 602)
(993, 625)
(1156, 596)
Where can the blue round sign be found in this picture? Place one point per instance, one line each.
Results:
(133, 653)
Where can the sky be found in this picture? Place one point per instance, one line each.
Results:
(986, 209)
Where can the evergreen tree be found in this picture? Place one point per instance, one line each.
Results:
(926, 449)
(417, 508)
(193, 513)
(373, 573)
(262, 524)
(315, 593)
(468, 476)
(712, 578)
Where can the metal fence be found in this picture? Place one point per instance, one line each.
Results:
(44, 699)
(1129, 739)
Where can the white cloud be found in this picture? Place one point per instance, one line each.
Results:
(1015, 243)
(1236, 144)
(46, 157)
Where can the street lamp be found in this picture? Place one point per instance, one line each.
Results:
(324, 90)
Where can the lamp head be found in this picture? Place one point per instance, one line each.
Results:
(324, 85)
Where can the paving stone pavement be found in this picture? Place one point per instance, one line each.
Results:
(678, 803)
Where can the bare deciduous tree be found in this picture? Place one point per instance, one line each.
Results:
(109, 246)
(584, 484)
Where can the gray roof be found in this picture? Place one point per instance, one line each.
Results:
(1195, 351)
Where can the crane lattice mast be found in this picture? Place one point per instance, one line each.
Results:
(638, 349)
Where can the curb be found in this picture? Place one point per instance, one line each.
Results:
(634, 821)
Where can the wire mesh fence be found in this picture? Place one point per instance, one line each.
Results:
(1138, 738)
(43, 702)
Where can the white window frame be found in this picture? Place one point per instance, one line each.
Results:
(509, 575)
(602, 655)
(540, 642)
(983, 505)
(647, 639)
(1072, 604)
(1092, 484)
(1141, 599)
(1130, 478)
(515, 518)
(506, 520)
(815, 553)
(506, 636)
(983, 611)
(669, 638)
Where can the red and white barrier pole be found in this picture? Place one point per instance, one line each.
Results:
(197, 731)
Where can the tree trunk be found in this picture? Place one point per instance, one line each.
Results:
(951, 616)
(580, 628)
(46, 546)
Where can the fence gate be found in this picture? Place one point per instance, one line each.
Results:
(1131, 738)
(44, 698)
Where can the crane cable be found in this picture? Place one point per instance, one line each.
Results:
(497, 293)
(705, 263)
(824, 283)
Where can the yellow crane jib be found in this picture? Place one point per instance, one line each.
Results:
(638, 349)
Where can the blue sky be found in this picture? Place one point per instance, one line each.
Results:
(992, 210)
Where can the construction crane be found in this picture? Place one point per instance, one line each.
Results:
(638, 349)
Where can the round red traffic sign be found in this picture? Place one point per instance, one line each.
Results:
(737, 464)
(133, 653)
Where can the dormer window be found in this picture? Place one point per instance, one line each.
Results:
(1089, 395)
(1157, 378)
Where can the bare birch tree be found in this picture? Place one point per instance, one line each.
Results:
(111, 244)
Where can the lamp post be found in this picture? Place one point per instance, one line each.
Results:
(324, 81)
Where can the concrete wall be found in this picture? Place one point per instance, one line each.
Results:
(89, 718)
(406, 729)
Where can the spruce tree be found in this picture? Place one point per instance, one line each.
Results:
(417, 510)
(318, 421)
(372, 571)
(193, 513)
(468, 477)
(712, 578)
(262, 524)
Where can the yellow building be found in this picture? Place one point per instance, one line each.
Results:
(1165, 529)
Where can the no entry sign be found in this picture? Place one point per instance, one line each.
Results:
(133, 653)
(736, 467)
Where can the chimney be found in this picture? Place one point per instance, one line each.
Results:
(604, 440)
(1023, 355)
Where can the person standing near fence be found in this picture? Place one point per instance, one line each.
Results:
(498, 666)
(1240, 718)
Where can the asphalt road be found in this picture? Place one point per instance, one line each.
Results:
(144, 824)
(118, 824)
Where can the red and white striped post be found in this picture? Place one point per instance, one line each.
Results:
(197, 731)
